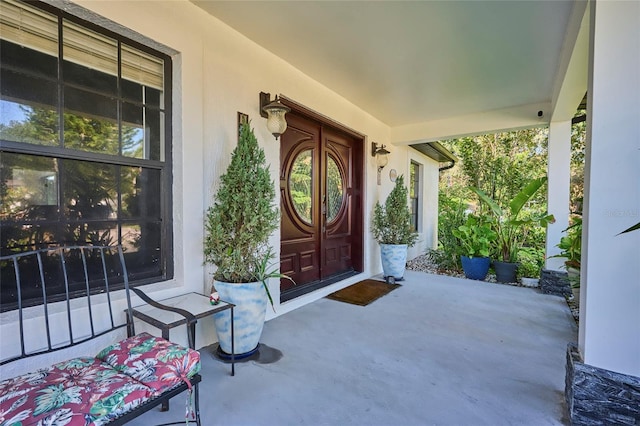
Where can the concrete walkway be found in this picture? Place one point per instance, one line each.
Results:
(436, 351)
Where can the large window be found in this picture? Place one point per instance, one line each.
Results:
(414, 193)
(85, 143)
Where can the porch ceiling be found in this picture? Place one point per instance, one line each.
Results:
(412, 62)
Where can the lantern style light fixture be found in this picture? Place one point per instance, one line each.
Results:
(381, 154)
(274, 112)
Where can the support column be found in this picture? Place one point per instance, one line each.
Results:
(610, 290)
(559, 173)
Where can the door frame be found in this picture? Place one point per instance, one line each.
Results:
(358, 192)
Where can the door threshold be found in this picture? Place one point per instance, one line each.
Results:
(303, 289)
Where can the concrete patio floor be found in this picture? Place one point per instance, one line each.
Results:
(437, 351)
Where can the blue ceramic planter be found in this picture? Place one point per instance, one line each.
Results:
(248, 316)
(475, 268)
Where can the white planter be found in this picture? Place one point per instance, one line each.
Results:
(248, 315)
(394, 260)
(529, 282)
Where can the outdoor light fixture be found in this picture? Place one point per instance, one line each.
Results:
(274, 112)
(379, 151)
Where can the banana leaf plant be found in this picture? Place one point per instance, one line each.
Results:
(508, 224)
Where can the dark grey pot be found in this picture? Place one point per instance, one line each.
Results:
(505, 271)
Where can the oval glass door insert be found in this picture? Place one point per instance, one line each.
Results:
(335, 189)
(301, 185)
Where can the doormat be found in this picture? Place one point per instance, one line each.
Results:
(363, 293)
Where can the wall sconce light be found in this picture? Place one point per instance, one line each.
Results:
(274, 112)
(381, 154)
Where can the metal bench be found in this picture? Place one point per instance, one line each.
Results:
(123, 381)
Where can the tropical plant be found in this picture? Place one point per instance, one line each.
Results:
(451, 215)
(475, 237)
(243, 216)
(530, 260)
(508, 223)
(392, 222)
(571, 244)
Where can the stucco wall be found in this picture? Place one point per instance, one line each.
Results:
(218, 72)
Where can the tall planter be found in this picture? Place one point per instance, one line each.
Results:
(248, 316)
(475, 268)
(505, 271)
(394, 260)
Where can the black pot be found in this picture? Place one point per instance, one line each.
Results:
(505, 271)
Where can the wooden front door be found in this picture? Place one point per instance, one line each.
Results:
(320, 184)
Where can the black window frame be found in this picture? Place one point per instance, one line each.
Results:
(59, 152)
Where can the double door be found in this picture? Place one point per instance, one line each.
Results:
(321, 217)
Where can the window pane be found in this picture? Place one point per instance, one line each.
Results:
(133, 131)
(90, 122)
(28, 60)
(29, 187)
(143, 249)
(132, 91)
(94, 233)
(27, 109)
(153, 97)
(90, 78)
(29, 27)
(19, 237)
(89, 190)
(140, 189)
(89, 49)
(142, 68)
(154, 129)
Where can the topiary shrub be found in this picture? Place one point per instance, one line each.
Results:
(392, 222)
(243, 216)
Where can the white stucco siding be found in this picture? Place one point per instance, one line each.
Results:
(216, 73)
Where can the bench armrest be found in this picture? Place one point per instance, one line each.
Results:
(191, 319)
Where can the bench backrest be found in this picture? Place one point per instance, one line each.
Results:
(82, 308)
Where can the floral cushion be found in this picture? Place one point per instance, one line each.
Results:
(78, 392)
(154, 361)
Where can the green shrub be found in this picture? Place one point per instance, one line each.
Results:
(392, 222)
(243, 216)
(531, 260)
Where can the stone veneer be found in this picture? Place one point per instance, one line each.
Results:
(554, 282)
(596, 396)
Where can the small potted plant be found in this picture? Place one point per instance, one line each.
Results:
(475, 237)
(391, 227)
(238, 226)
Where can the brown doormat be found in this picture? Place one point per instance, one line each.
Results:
(363, 293)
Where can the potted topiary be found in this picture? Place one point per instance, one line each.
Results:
(238, 226)
(475, 238)
(391, 227)
(510, 227)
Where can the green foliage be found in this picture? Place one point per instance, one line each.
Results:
(499, 164)
(450, 216)
(508, 224)
(475, 237)
(571, 244)
(243, 216)
(531, 260)
(392, 222)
